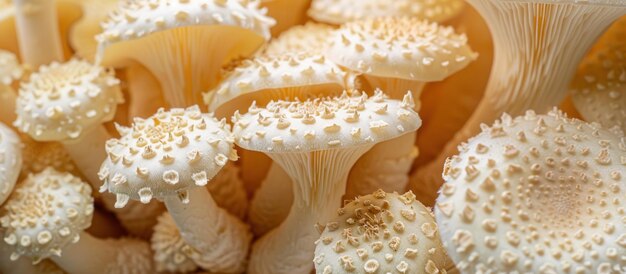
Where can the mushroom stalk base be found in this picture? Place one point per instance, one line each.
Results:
(319, 182)
(37, 27)
(272, 201)
(221, 239)
(532, 68)
(88, 255)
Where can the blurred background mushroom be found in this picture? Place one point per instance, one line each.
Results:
(10, 73)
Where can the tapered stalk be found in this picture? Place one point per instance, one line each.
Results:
(272, 201)
(537, 49)
(38, 33)
(220, 238)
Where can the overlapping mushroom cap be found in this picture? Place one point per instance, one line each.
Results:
(10, 68)
(166, 154)
(400, 47)
(381, 233)
(64, 100)
(311, 37)
(325, 123)
(47, 212)
(342, 11)
(536, 194)
(10, 161)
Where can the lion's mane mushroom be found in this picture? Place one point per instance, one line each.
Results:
(10, 71)
(10, 161)
(45, 218)
(171, 156)
(536, 194)
(316, 142)
(396, 55)
(381, 233)
(338, 12)
(183, 43)
(537, 47)
(308, 38)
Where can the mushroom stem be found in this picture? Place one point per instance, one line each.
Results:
(145, 92)
(7, 105)
(319, 182)
(266, 210)
(36, 24)
(21, 265)
(532, 68)
(88, 153)
(220, 238)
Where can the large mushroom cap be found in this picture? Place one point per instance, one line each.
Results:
(10, 161)
(47, 212)
(10, 68)
(341, 11)
(400, 47)
(536, 194)
(64, 100)
(381, 233)
(311, 37)
(325, 123)
(166, 154)
(599, 88)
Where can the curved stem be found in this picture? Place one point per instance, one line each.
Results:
(271, 202)
(38, 32)
(220, 238)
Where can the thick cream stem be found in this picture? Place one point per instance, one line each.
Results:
(537, 50)
(38, 32)
(88, 255)
(220, 238)
(7, 105)
(271, 202)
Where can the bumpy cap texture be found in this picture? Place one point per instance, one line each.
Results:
(308, 38)
(10, 161)
(10, 68)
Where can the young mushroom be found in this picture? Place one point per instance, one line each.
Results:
(537, 47)
(316, 142)
(182, 43)
(171, 156)
(536, 194)
(395, 54)
(10, 72)
(381, 233)
(45, 218)
(10, 161)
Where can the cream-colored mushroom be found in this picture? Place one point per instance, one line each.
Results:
(10, 72)
(308, 38)
(536, 194)
(316, 142)
(10, 161)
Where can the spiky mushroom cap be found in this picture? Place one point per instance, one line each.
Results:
(10, 68)
(381, 233)
(536, 194)
(46, 213)
(599, 87)
(166, 154)
(255, 77)
(10, 161)
(64, 100)
(311, 37)
(400, 47)
(325, 123)
(342, 11)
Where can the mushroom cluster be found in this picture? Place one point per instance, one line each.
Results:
(277, 136)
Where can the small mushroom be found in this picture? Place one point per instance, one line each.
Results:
(45, 218)
(10, 161)
(381, 233)
(536, 194)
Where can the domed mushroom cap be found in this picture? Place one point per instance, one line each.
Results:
(64, 100)
(10, 161)
(599, 88)
(400, 47)
(10, 68)
(536, 194)
(281, 72)
(46, 213)
(166, 154)
(311, 37)
(136, 19)
(341, 11)
(325, 123)
(381, 233)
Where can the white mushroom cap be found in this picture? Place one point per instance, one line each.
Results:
(10, 68)
(381, 233)
(10, 161)
(400, 47)
(166, 154)
(325, 123)
(536, 194)
(279, 73)
(136, 19)
(171, 252)
(311, 37)
(341, 11)
(599, 88)
(47, 212)
(64, 100)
